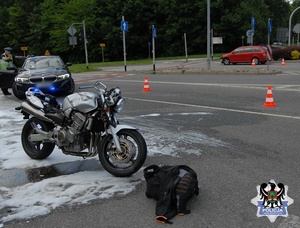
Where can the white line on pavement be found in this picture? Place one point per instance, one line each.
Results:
(217, 108)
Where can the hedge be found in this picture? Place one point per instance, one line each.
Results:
(285, 52)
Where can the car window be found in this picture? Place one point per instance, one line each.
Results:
(42, 63)
(30, 64)
(265, 49)
(238, 50)
(248, 49)
(39, 63)
(55, 63)
(257, 50)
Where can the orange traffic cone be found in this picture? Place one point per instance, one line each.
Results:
(253, 63)
(146, 85)
(282, 62)
(269, 98)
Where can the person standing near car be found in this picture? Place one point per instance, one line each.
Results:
(7, 57)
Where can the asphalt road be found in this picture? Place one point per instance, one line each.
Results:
(257, 144)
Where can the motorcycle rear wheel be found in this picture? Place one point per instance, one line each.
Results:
(36, 150)
(134, 150)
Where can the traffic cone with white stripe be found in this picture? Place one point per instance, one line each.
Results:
(253, 63)
(146, 85)
(269, 98)
(282, 62)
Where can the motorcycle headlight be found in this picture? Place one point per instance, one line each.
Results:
(115, 93)
(63, 76)
(20, 79)
(120, 105)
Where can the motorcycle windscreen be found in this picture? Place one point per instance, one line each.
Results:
(82, 102)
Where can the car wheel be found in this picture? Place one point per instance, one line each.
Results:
(226, 61)
(255, 60)
(18, 93)
(71, 87)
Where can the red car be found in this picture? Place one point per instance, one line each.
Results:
(245, 54)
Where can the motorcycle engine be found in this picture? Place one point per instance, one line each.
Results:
(69, 136)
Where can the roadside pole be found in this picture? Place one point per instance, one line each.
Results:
(73, 40)
(153, 45)
(124, 27)
(185, 47)
(208, 35)
(85, 46)
(269, 33)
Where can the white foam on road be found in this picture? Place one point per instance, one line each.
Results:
(35, 199)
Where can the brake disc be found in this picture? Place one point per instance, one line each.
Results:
(128, 152)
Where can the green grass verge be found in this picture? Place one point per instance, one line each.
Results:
(77, 68)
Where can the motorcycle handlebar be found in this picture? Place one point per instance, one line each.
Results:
(95, 86)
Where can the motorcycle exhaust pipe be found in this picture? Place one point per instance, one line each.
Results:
(35, 112)
(40, 136)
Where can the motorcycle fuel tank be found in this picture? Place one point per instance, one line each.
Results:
(83, 102)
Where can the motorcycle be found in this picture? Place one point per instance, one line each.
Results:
(85, 124)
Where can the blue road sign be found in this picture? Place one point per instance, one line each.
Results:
(249, 33)
(153, 32)
(253, 24)
(270, 22)
(124, 25)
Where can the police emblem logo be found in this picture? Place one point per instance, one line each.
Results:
(272, 200)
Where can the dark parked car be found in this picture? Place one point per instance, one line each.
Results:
(8, 72)
(245, 54)
(47, 73)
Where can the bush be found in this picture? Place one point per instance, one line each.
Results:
(295, 54)
(285, 53)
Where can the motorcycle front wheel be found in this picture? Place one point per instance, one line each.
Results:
(37, 149)
(133, 156)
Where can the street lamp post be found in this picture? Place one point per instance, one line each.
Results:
(290, 25)
(85, 42)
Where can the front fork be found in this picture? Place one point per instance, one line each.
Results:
(112, 129)
(113, 132)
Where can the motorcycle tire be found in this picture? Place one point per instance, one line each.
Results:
(134, 154)
(36, 150)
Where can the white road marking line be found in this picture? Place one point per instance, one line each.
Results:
(217, 108)
(246, 86)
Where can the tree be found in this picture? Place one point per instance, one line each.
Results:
(17, 25)
(279, 11)
(42, 25)
(4, 19)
